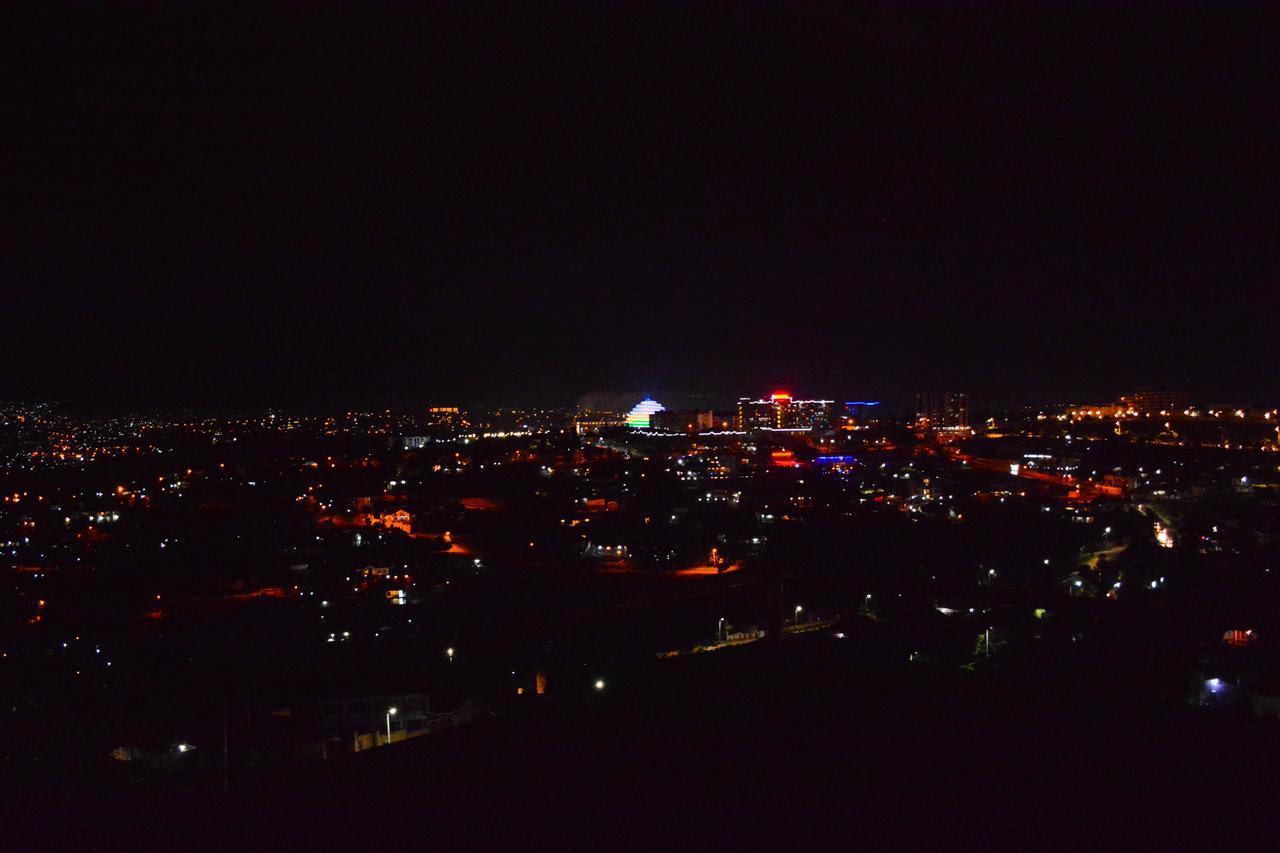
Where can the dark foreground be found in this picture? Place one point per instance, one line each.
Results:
(761, 746)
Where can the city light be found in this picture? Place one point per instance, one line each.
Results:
(639, 417)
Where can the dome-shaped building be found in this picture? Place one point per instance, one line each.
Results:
(638, 418)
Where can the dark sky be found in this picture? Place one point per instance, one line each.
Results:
(339, 204)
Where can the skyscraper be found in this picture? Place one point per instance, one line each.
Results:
(780, 411)
(942, 409)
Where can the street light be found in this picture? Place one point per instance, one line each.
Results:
(391, 712)
(798, 609)
(599, 684)
(720, 629)
(449, 652)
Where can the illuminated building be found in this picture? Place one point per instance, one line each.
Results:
(591, 423)
(783, 459)
(1148, 402)
(756, 414)
(446, 416)
(863, 411)
(781, 411)
(942, 409)
(684, 421)
(639, 417)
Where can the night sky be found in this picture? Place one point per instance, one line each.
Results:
(322, 205)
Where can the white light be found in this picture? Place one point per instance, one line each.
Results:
(392, 710)
(638, 417)
(599, 684)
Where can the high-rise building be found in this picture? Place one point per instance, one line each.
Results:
(781, 411)
(1148, 402)
(684, 420)
(756, 414)
(942, 409)
(863, 412)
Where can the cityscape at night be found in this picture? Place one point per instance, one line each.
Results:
(640, 426)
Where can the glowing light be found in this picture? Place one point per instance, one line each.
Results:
(638, 417)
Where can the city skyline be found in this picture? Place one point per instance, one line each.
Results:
(639, 426)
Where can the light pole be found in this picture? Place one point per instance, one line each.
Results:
(798, 609)
(720, 629)
(986, 645)
(390, 713)
(449, 652)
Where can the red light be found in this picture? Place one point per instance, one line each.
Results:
(784, 459)
(780, 395)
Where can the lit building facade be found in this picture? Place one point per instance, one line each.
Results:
(446, 416)
(863, 411)
(684, 421)
(593, 423)
(942, 409)
(782, 411)
(1149, 402)
(640, 416)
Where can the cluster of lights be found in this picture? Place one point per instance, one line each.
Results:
(640, 416)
